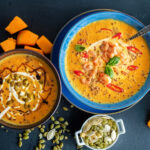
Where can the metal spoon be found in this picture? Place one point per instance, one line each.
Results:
(143, 31)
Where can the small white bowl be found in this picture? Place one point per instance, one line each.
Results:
(120, 126)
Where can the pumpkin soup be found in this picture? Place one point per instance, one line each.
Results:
(28, 86)
(105, 67)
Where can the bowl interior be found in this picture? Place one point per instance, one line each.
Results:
(100, 116)
(48, 62)
(72, 32)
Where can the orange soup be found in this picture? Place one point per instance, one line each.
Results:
(105, 67)
(28, 86)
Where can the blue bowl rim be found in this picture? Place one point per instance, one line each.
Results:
(107, 106)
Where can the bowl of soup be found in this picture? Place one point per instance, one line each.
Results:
(100, 66)
(30, 86)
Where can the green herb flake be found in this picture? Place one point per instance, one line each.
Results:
(109, 71)
(79, 48)
(114, 61)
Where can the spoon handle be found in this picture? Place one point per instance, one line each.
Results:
(4, 112)
(141, 32)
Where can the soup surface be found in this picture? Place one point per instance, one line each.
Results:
(103, 66)
(28, 86)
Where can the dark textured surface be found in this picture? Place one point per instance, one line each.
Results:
(47, 17)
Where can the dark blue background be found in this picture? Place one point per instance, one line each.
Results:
(47, 17)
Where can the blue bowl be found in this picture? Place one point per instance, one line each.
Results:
(73, 31)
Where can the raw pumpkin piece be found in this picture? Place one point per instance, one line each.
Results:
(16, 25)
(34, 49)
(44, 44)
(26, 37)
(8, 44)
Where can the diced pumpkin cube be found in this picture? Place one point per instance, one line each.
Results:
(44, 44)
(34, 49)
(26, 37)
(17, 24)
(8, 44)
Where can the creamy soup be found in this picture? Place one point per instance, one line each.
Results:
(28, 86)
(103, 66)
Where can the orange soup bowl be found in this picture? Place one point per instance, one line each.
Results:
(30, 86)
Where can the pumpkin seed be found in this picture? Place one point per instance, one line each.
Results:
(66, 123)
(26, 137)
(42, 141)
(61, 145)
(51, 134)
(61, 119)
(61, 137)
(51, 126)
(25, 134)
(65, 108)
(36, 148)
(66, 137)
(42, 130)
(45, 134)
(60, 131)
(56, 122)
(57, 127)
(20, 144)
(52, 118)
(63, 126)
(42, 146)
(40, 136)
(55, 148)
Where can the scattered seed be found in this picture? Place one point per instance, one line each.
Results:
(45, 134)
(36, 148)
(20, 144)
(56, 122)
(66, 123)
(42, 141)
(42, 146)
(51, 134)
(55, 148)
(52, 118)
(61, 145)
(25, 137)
(20, 135)
(58, 126)
(61, 137)
(42, 130)
(66, 137)
(51, 126)
(61, 119)
(65, 108)
(40, 136)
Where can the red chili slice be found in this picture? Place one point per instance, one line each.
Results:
(78, 72)
(132, 67)
(134, 49)
(81, 41)
(85, 55)
(115, 88)
(105, 29)
(117, 35)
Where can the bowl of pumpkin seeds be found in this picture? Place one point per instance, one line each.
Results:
(100, 132)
